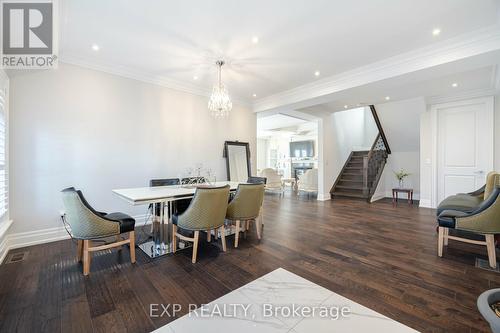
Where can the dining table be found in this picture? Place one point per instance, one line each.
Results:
(165, 196)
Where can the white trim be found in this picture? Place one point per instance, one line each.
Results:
(324, 196)
(488, 100)
(471, 94)
(388, 194)
(142, 76)
(4, 227)
(425, 203)
(495, 79)
(460, 47)
(29, 238)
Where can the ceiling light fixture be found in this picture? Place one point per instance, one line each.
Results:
(220, 103)
(454, 85)
(95, 47)
(436, 31)
(255, 39)
(254, 95)
(387, 98)
(317, 73)
(195, 77)
(346, 106)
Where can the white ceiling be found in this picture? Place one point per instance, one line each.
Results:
(173, 41)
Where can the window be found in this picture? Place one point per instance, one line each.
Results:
(3, 152)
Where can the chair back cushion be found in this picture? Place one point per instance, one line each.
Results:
(492, 178)
(164, 182)
(309, 180)
(207, 210)
(273, 178)
(246, 202)
(85, 222)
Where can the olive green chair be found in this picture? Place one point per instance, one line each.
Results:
(206, 212)
(87, 224)
(468, 202)
(246, 207)
(483, 220)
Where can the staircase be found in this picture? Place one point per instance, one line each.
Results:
(362, 171)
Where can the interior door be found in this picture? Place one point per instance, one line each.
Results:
(465, 145)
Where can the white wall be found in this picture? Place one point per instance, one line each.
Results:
(95, 131)
(401, 123)
(426, 153)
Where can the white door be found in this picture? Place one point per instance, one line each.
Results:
(464, 146)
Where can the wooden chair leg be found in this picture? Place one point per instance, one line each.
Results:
(237, 233)
(440, 241)
(79, 250)
(174, 238)
(490, 246)
(131, 237)
(86, 257)
(257, 226)
(209, 236)
(245, 228)
(446, 233)
(195, 246)
(223, 237)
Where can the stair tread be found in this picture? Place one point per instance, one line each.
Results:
(350, 187)
(349, 194)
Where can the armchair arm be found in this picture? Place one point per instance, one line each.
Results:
(477, 193)
(485, 219)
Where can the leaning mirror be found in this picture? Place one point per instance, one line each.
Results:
(237, 160)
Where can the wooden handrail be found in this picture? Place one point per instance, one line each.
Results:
(380, 129)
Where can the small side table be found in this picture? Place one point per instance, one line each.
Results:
(396, 191)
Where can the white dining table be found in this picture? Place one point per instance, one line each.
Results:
(161, 244)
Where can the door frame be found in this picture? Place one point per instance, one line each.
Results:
(490, 109)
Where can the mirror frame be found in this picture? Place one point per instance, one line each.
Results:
(226, 152)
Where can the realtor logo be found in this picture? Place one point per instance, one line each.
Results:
(28, 35)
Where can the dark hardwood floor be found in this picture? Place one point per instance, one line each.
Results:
(379, 256)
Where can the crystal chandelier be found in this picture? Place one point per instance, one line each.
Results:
(220, 104)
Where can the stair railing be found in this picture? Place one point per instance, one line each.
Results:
(372, 164)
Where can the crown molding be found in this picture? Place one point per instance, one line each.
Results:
(456, 48)
(141, 76)
(461, 96)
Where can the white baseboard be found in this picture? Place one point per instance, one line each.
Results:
(388, 194)
(29, 238)
(324, 196)
(426, 203)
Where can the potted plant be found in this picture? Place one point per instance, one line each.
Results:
(401, 175)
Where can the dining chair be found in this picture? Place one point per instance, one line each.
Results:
(308, 182)
(87, 225)
(246, 207)
(206, 212)
(273, 181)
(161, 182)
(256, 180)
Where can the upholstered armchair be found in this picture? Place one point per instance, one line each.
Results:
(468, 202)
(483, 220)
(273, 183)
(246, 207)
(308, 182)
(206, 212)
(87, 224)
(256, 180)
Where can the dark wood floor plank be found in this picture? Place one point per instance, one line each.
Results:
(380, 256)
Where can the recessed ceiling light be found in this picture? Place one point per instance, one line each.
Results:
(254, 95)
(255, 39)
(436, 31)
(317, 73)
(454, 85)
(346, 106)
(387, 98)
(95, 47)
(195, 77)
